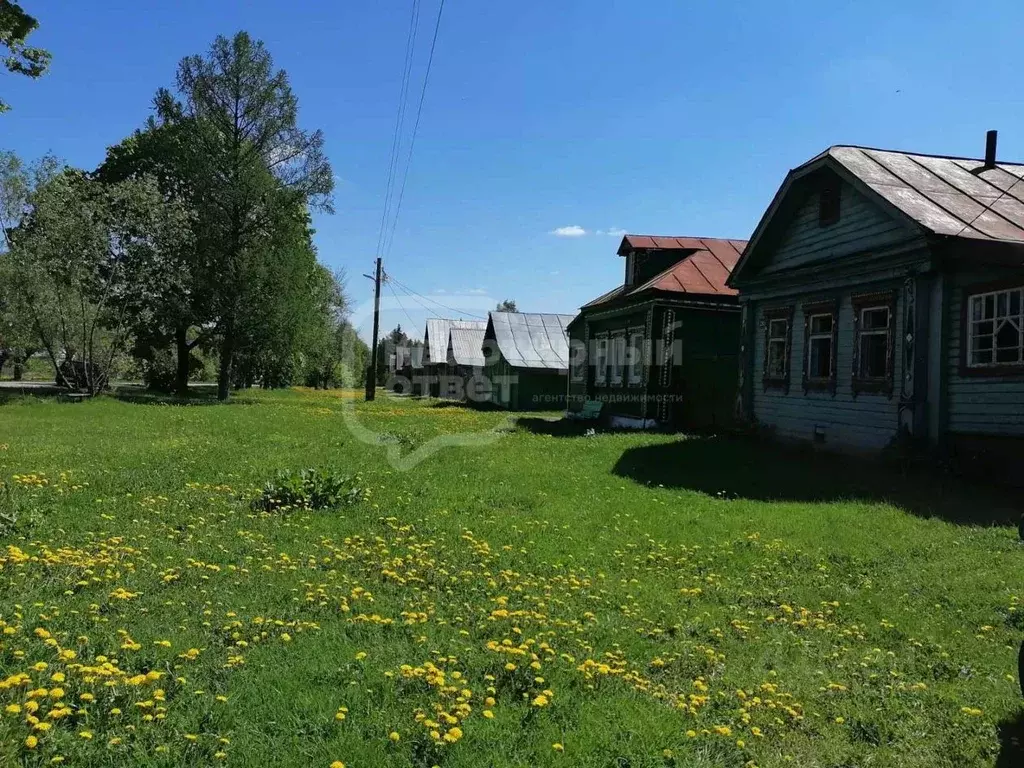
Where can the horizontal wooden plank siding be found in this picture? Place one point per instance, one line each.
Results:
(867, 421)
(862, 226)
(979, 405)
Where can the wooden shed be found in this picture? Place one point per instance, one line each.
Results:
(464, 378)
(527, 360)
(436, 338)
(883, 296)
(661, 347)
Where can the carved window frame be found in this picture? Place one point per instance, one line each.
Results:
(861, 303)
(768, 316)
(829, 307)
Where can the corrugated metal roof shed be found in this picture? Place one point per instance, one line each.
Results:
(945, 195)
(466, 347)
(703, 267)
(531, 340)
(435, 337)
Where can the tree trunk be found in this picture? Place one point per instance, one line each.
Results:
(17, 370)
(227, 354)
(183, 354)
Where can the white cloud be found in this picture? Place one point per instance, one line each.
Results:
(476, 291)
(615, 232)
(574, 230)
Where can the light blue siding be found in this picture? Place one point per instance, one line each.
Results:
(862, 226)
(979, 405)
(866, 422)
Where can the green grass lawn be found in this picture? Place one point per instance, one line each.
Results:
(536, 597)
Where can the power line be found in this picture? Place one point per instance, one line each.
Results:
(412, 323)
(432, 301)
(415, 128)
(396, 140)
(413, 296)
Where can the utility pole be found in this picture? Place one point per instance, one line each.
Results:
(371, 378)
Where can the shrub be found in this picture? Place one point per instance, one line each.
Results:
(308, 489)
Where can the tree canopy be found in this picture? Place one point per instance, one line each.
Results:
(191, 244)
(15, 27)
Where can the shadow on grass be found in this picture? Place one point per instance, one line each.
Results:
(196, 396)
(736, 467)
(556, 427)
(469, 405)
(1011, 742)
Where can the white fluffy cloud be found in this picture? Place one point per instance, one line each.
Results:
(574, 230)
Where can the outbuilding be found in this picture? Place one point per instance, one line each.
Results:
(436, 338)
(527, 360)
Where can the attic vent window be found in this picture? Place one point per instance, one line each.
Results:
(828, 205)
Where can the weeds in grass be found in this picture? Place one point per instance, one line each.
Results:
(309, 489)
(507, 606)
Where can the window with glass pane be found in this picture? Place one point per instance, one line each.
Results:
(778, 341)
(996, 332)
(873, 343)
(601, 360)
(635, 356)
(819, 340)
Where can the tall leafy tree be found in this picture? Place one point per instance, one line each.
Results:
(18, 181)
(15, 27)
(247, 163)
(507, 305)
(87, 254)
(179, 313)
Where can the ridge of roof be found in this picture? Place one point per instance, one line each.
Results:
(908, 152)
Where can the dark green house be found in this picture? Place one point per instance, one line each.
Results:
(661, 348)
(527, 360)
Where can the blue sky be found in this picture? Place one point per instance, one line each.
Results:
(651, 116)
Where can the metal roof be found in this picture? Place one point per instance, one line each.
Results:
(704, 265)
(466, 346)
(435, 337)
(949, 196)
(945, 195)
(528, 340)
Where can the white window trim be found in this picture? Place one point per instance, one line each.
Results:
(784, 338)
(861, 333)
(617, 349)
(971, 322)
(601, 356)
(812, 337)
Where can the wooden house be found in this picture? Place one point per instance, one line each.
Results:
(661, 347)
(436, 336)
(527, 360)
(882, 296)
(464, 378)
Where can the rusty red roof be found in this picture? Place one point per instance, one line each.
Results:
(703, 267)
